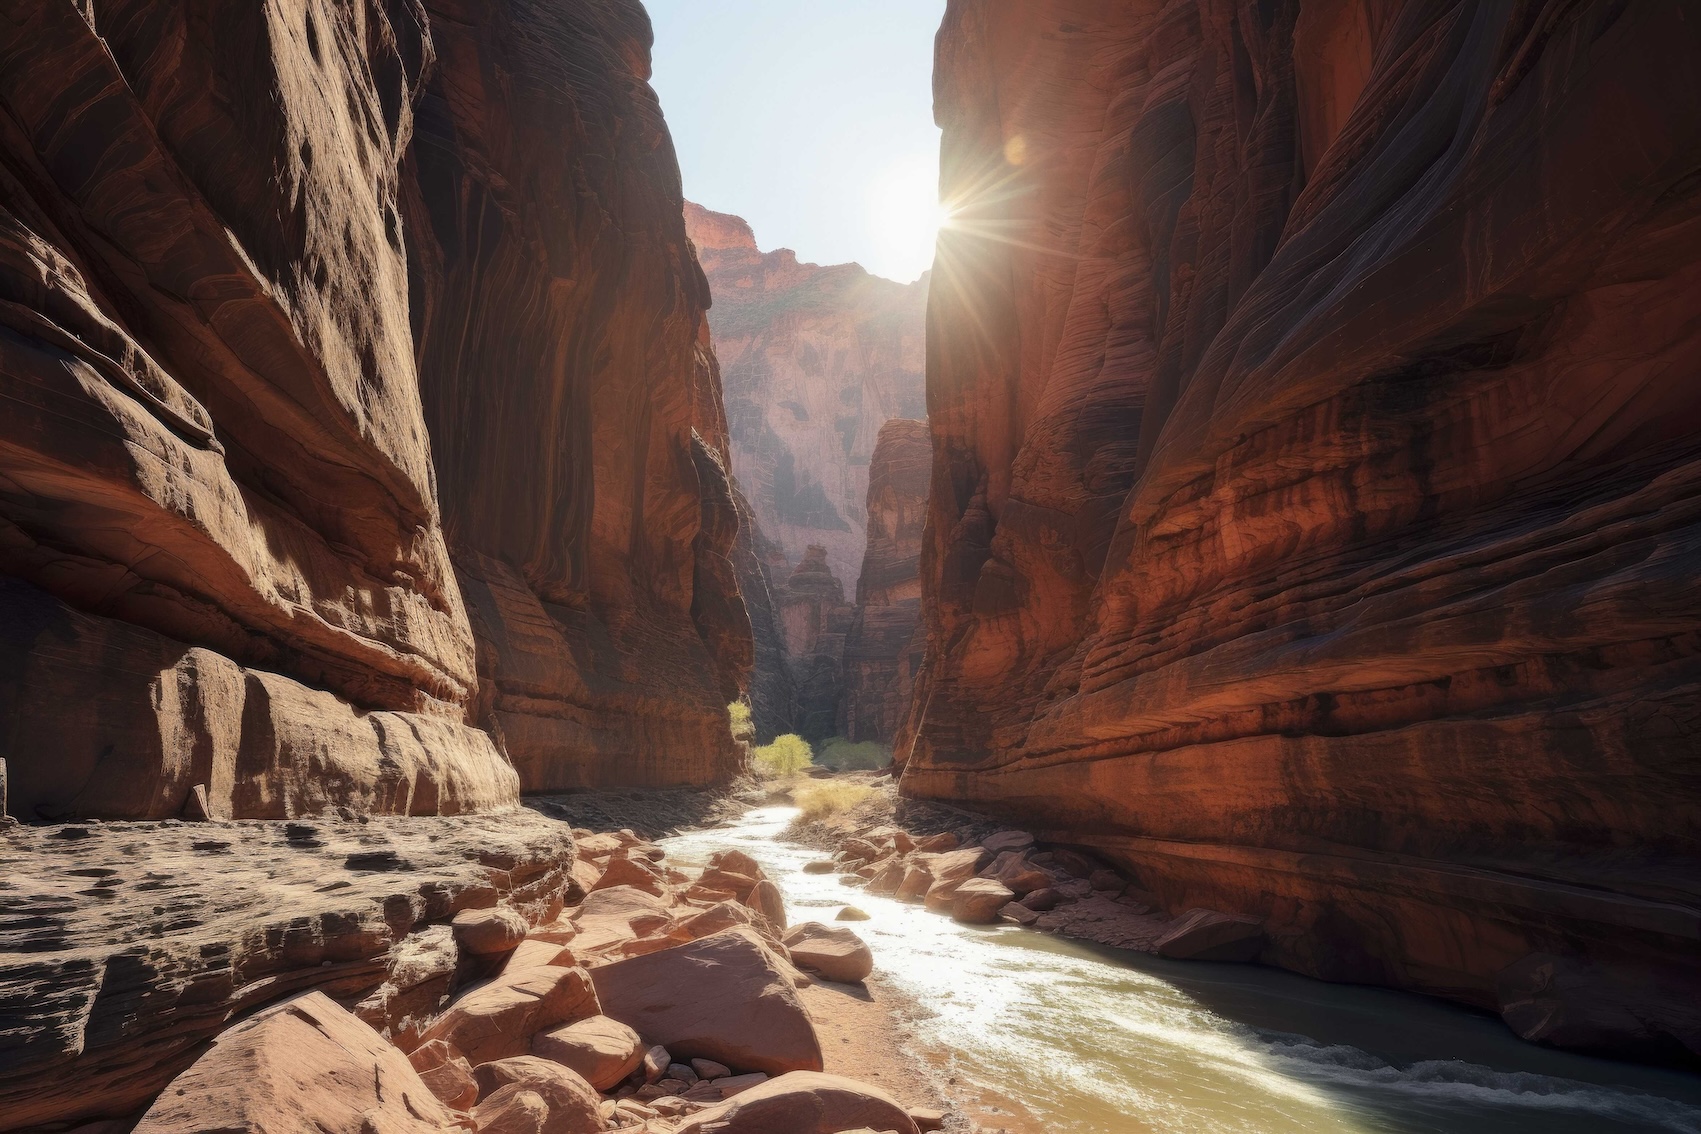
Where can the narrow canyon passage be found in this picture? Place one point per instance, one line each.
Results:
(1058, 1037)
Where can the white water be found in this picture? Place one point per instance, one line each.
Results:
(1096, 1041)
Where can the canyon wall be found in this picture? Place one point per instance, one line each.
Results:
(1317, 482)
(238, 243)
(219, 532)
(884, 645)
(814, 619)
(815, 359)
(572, 398)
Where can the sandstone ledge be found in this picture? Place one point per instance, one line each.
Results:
(125, 946)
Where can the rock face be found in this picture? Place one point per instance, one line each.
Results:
(572, 397)
(125, 947)
(761, 566)
(1316, 473)
(214, 470)
(227, 274)
(884, 646)
(814, 619)
(815, 359)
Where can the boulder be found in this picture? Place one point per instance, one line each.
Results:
(497, 1019)
(850, 913)
(512, 1110)
(1041, 901)
(1005, 841)
(721, 915)
(980, 901)
(1018, 914)
(804, 1102)
(820, 866)
(1108, 880)
(655, 1064)
(938, 844)
(446, 1073)
(829, 951)
(765, 899)
(889, 877)
(601, 1050)
(486, 932)
(941, 897)
(1208, 935)
(631, 872)
(709, 1069)
(1016, 872)
(571, 1105)
(918, 878)
(304, 1064)
(727, 997)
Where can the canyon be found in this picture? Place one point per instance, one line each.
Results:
(1314, 491)
(1271, 526)
(814, 360)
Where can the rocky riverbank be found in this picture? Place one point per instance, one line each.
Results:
(501, 973)
(979, 872)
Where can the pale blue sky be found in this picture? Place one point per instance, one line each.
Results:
(811, 119)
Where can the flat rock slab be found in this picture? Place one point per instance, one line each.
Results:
(124, 946)
(726, 997)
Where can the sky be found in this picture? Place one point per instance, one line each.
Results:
(811, 119)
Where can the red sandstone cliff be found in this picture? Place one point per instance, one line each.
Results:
(223, 560)
(1316, 472)
(219, 532)
(815, 360)
(883, 646)
(572, 397)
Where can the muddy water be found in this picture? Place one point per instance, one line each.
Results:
(1097, 1041)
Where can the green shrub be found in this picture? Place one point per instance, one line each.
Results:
(843, 755)
(738, 714)
(787, 755)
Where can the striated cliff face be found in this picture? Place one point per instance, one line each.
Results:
(815, 360)
(572, 397)
(237, 243)
(884, 645)
(1316, 483)
(813, 619)
(218, 527)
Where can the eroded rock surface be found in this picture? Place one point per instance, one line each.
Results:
(814, 619)
(884, 646)
(125, 946)
(1315, 497)
(214, 467)
(572, 397)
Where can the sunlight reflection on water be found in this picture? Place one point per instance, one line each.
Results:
(1100, 1044)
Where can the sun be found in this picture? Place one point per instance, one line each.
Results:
(905, 216)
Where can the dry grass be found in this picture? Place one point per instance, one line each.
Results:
(819, 800)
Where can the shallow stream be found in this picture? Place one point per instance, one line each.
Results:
(1101, 1041)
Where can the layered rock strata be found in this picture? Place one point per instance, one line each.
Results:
(236, 247)
(814, 621)
(125, 947)
(572, 397)
(762, 565)
(214, 471)
(815, 360)
(1315, 479)
(883, 647)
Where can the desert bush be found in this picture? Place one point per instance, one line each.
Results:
(843, 755)
(787, 755)
(738, 716)
(817, 801)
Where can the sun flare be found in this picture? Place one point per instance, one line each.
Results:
(905, 216)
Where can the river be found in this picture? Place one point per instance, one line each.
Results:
(1101, 1041)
